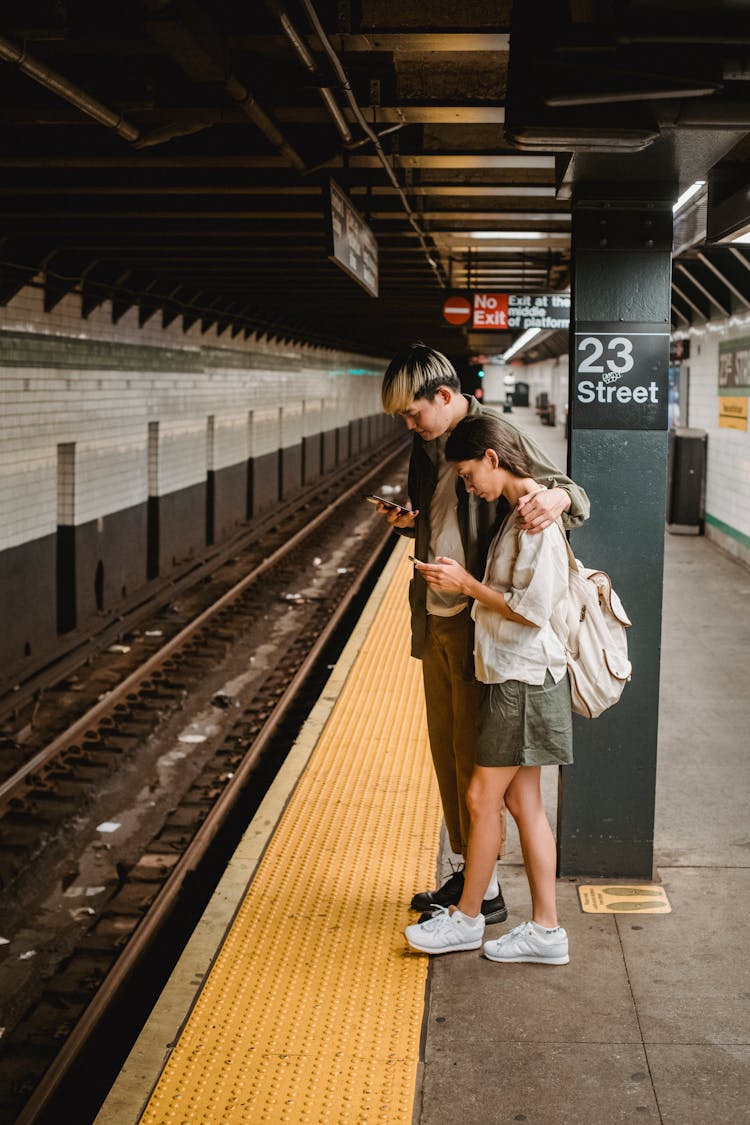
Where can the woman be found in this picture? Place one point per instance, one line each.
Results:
(524, 715)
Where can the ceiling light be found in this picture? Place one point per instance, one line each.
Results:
(521, 342)
(508, 234)
(742, 237)
(688, 194)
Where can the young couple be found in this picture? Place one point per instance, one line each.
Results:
(489, 584)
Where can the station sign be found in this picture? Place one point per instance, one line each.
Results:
(351, 243)
(621, 377)
(734, 363)
(491, 311)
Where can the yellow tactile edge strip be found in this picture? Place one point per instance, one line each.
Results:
(313, 1010)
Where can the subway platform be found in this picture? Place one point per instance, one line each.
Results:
(297, 999)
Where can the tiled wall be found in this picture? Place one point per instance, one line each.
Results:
(126, 451)
(97, 386)
(549, 377)
(728, 469)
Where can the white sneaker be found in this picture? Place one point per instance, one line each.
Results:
(530, 942)
(445, 932)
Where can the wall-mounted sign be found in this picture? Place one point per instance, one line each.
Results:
(351, 243)
(734, 363)
(733, 413)
(490, 311)
(621, 375)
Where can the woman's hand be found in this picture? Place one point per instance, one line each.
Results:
(446, 574)
(538, 510)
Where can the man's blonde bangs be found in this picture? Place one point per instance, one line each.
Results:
(398, 395)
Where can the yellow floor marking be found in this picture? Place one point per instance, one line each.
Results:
(313, 1009)
(639, 898)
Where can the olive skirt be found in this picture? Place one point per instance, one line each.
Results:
(525, 724)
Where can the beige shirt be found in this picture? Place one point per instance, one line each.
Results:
(445, 537)
(532, 571)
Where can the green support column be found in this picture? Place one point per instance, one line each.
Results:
(619, 358)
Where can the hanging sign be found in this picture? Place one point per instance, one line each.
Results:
(351, 243)
(457, 310)
(497, 312)
(621, 377)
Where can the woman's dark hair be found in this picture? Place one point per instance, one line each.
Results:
(474, 435)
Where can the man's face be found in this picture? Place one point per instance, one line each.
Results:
(430, 418)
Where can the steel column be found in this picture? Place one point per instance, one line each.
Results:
(619, 351)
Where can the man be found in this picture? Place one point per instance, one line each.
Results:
(422, 387)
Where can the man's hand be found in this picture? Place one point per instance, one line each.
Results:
(538, 510)
(445, 574)
(397, 518)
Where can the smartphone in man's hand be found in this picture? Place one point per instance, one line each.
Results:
(388, 504)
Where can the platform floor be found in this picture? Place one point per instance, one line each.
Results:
(650, 1022)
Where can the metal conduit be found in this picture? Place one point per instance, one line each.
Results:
(309, 63)
(346, 86)
(55, 82)
(246, 101)
(95, 109)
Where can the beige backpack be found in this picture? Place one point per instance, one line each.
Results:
(596, 643)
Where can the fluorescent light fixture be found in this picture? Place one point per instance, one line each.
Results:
(688, 194)
(521, 342)
(742, 237)
(508, 234)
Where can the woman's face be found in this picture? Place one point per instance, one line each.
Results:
(483, 477)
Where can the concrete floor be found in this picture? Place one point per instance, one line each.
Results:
(650, 1022)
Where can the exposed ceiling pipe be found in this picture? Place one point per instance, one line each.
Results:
(89, 105)
(364, 125)
(199, 52)
(55, 82)
(252, 109)
(310, 64)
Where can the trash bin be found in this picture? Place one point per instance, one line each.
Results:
(521, 394)
(686, 481)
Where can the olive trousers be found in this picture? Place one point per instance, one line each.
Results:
(452, 703)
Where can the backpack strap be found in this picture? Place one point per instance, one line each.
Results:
(572, 561)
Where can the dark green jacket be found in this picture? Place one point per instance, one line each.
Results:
(478, 520)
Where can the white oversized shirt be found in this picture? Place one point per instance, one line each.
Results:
(532, 572)
(445, 535)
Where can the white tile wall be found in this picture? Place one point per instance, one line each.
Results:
(107, 413)
(291, 424)
(728, 468)
(266, 430)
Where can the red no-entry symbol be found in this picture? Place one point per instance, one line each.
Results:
(456, 310)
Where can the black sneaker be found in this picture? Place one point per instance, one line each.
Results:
(447, 895)
(494, 909)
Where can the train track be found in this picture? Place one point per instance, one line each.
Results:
(52, 795)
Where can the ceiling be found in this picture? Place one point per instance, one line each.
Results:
(175, 155)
